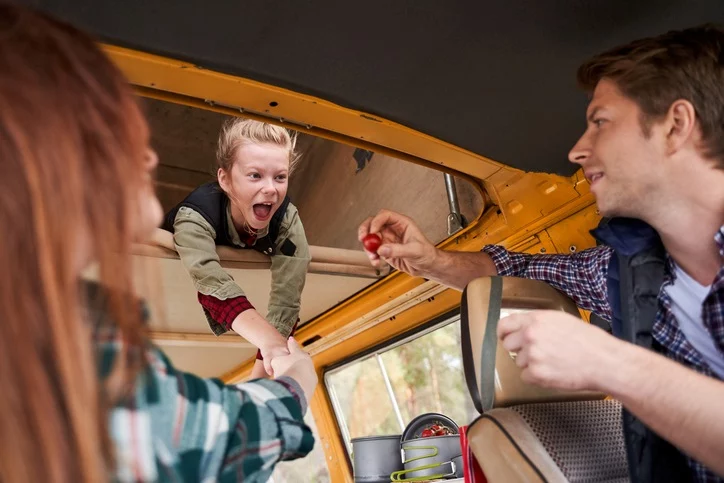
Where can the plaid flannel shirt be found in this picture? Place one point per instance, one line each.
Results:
(224, 312)
(177, 427)
(582, 276)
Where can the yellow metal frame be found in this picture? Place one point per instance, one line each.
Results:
(530, 212)
(184, 83)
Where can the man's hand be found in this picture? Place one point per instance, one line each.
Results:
(403, 244)
(556, 349)
(560, 351)
(298, 365)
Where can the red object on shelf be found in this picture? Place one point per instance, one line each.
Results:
(471, 469)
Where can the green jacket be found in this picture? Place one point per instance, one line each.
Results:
(194, 240)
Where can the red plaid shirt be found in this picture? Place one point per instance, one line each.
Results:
(247, 238)
(224, 311)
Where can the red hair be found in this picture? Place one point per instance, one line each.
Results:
(72, 145)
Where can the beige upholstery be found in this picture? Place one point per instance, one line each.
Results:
(501, 385)
(508, 451)
(325, 260)
(526, 433)
(578, 441)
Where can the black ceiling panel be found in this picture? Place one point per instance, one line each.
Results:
(494, 77)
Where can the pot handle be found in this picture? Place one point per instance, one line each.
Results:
(397, 475)
(434, 451)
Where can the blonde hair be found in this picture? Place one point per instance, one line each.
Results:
(238, 131)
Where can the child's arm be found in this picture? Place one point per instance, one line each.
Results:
(194, 240)
(253, 327)
(288, 274)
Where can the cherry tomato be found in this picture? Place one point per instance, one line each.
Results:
(427, 433)
(372, 242)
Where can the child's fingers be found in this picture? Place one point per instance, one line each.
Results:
(293, 345)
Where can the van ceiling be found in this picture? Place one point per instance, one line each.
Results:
(496, 78)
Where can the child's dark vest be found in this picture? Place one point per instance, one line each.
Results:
(211, 203)
(635, 276)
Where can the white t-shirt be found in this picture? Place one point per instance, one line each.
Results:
(687, 298)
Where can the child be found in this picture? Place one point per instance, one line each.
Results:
(246, 208)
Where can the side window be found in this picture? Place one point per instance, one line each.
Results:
(381, 392)
(312, 467)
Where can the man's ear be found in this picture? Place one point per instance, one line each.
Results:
(681, 124)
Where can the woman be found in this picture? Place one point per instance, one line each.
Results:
(246, 208)
(86, 397)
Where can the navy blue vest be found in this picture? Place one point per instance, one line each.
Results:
(634, 279)
(211, 202)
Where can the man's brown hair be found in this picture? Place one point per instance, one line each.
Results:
(657, 71)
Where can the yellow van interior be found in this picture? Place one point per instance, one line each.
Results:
(358, 324)
(457, 114)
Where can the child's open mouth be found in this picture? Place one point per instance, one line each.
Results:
(262, 210)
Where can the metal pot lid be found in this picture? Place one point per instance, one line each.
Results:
(432, 439)
(377, 438)
(424, 421)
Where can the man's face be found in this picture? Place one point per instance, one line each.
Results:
(618, 160)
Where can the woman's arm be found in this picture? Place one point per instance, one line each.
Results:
(202, 430)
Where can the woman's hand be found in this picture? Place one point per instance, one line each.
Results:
(298, 365)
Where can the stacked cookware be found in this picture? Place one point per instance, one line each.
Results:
(428, 449)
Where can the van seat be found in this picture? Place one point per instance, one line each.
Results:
(526, 433)
(579, 441)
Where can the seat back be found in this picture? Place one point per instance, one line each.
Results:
(527, 433)
(578, 441)
(492, 377)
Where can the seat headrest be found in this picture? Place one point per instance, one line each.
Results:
(492, 376)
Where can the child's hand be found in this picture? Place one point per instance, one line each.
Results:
(269, 353)
(297, 365)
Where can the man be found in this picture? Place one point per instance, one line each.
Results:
(653, 153)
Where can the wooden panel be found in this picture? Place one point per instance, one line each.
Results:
(188, 84)
(185, 140)
(175, 306)
(206, 361)
(183, 136)
(333, 198)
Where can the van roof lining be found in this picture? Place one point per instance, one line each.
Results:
(495, 78)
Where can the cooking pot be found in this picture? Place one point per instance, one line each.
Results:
(375, 458)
